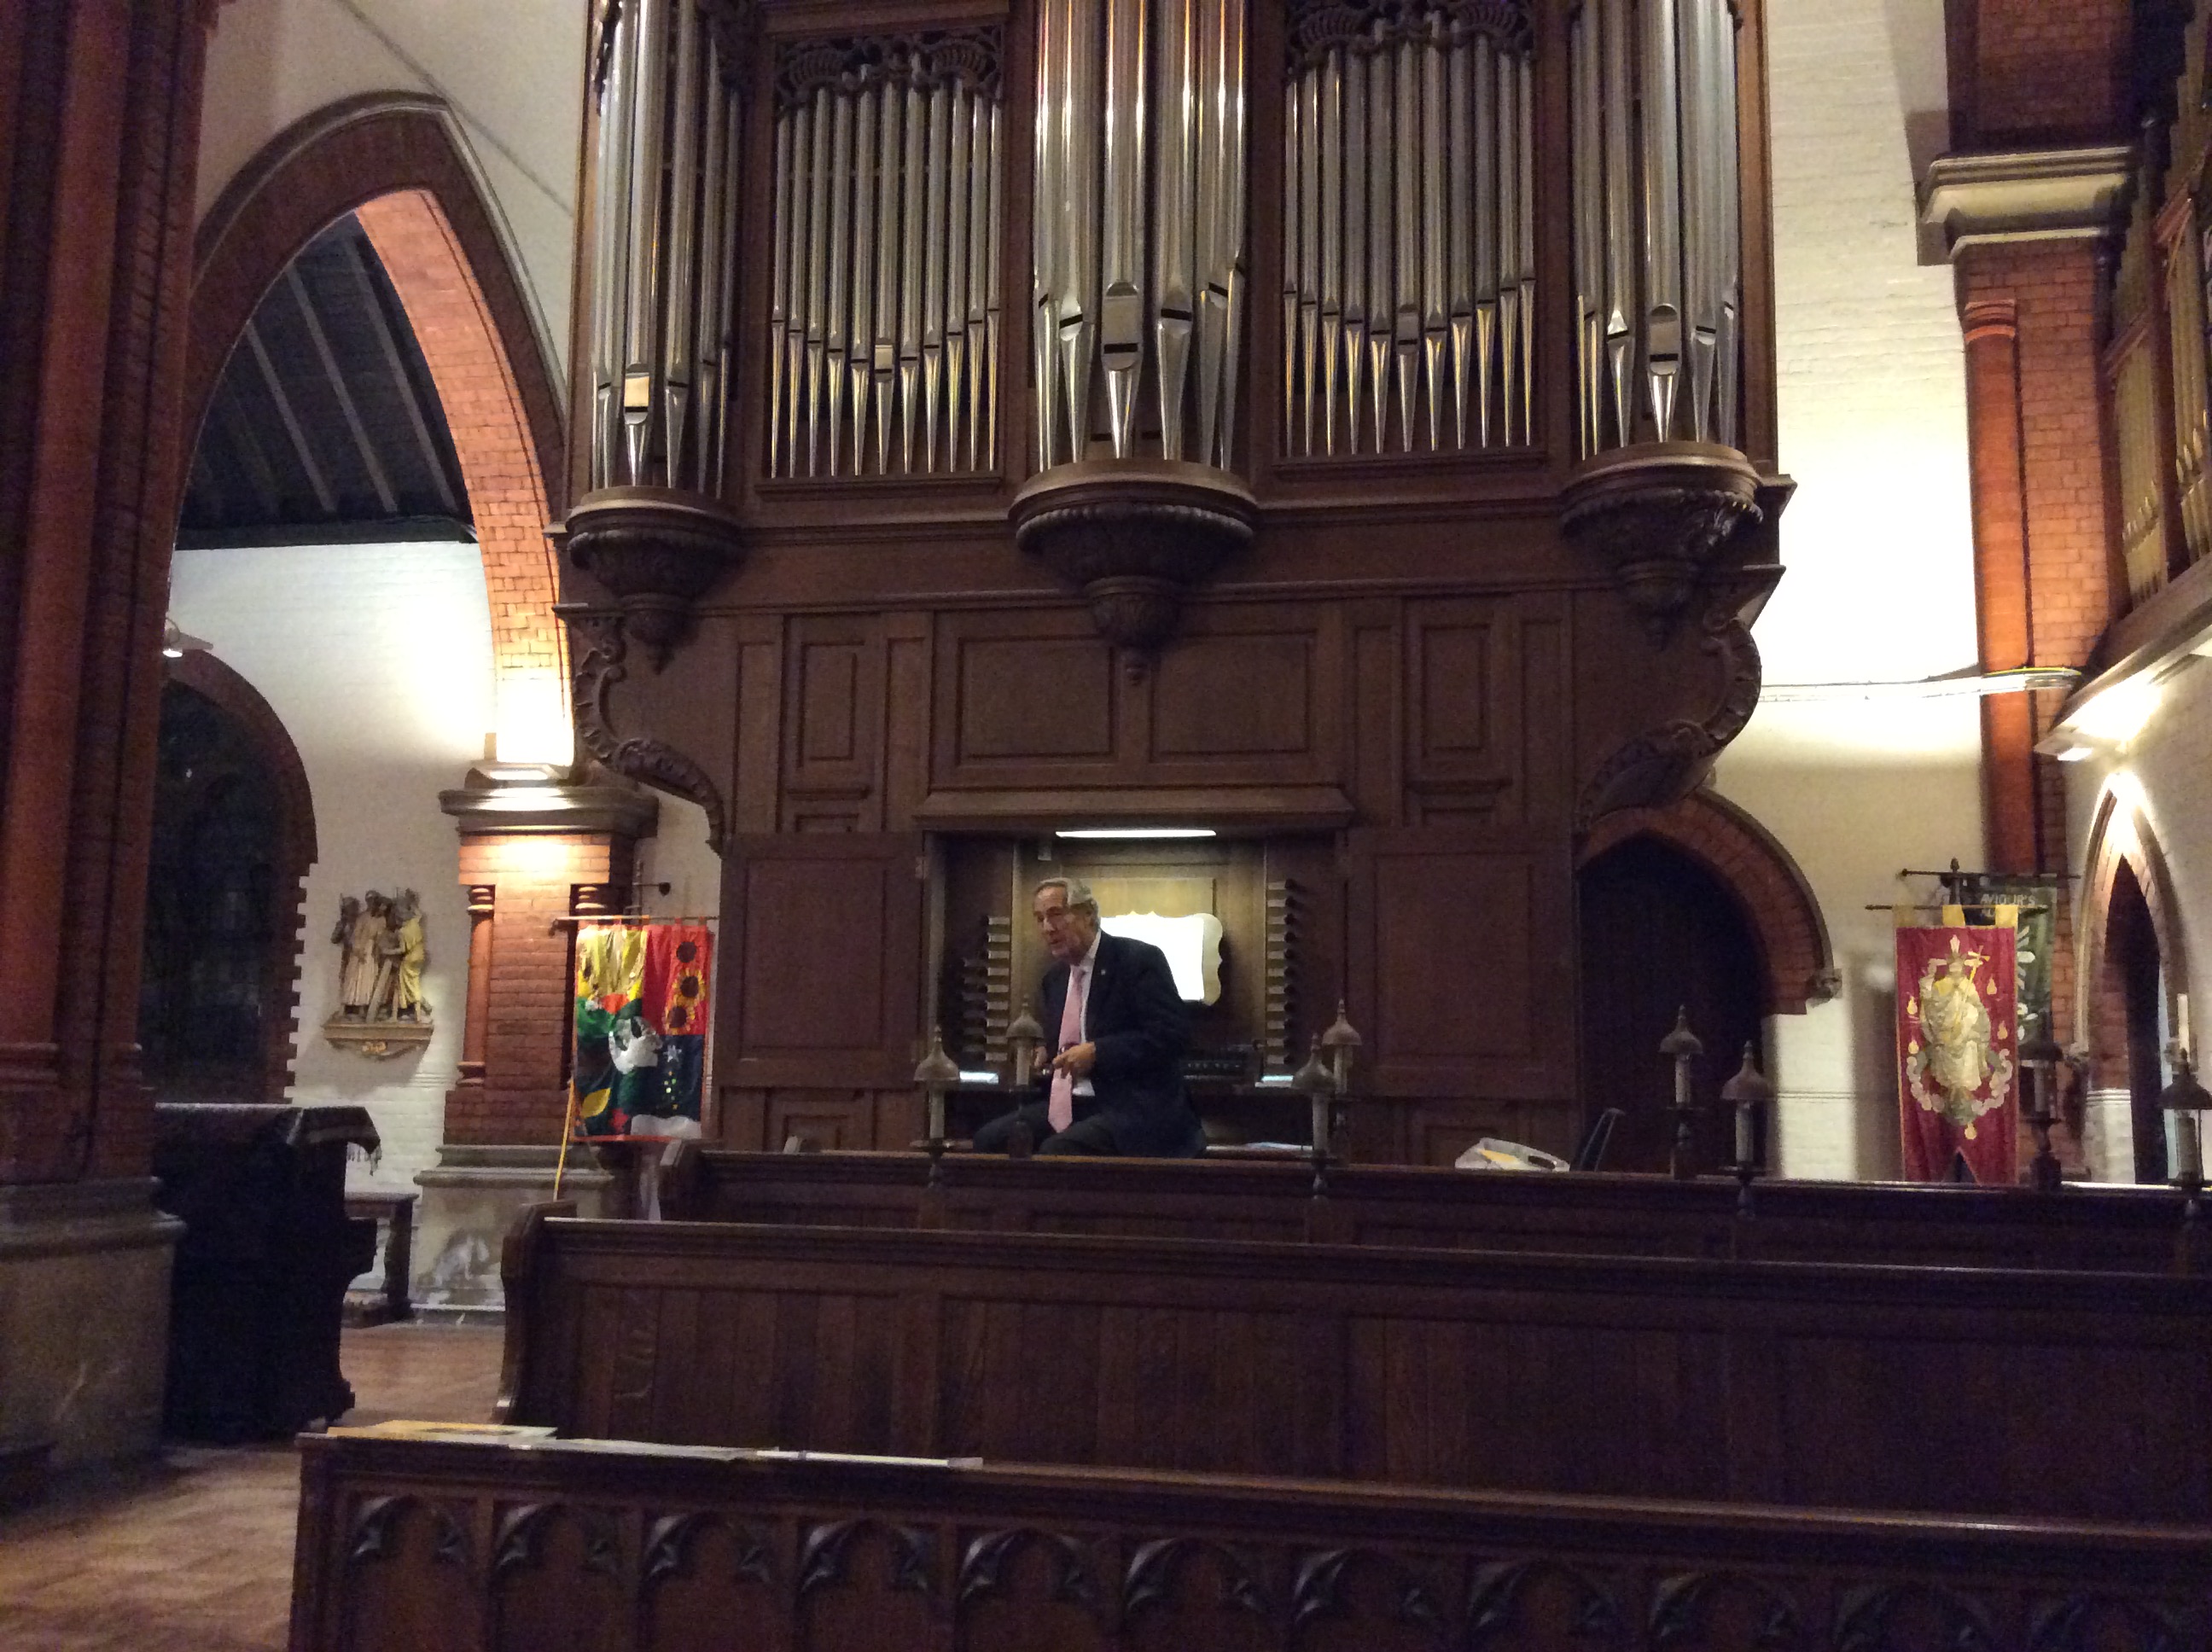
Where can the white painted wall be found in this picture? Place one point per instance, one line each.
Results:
(1860, 781)
(2165, 772)
(378, 660)
(511, 69)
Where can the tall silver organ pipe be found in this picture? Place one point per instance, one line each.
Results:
(884, 304)
(666, 168)
(1138, 279)
(1409, 274)
(1658, 263)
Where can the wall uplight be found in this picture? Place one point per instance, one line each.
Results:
(177, 642)
(2118, 713)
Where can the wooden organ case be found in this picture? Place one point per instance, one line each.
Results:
(1347, 427)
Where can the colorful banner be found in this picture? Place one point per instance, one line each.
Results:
(641, 1020)
(1958, 1042)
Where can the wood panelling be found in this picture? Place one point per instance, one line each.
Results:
(758, 668)
(821, 980)
(739, 1552)
(1026, 691)
(1810, 1385)
(1236, 696)
(2121, 1230)
(1462, 960)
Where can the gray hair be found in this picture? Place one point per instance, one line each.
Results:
(1079, 895)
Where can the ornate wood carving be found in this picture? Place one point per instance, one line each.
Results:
(825, 1556)
(1867, 1618)
(1659, 515)
(1680, 1606)
(1154, 1566)
(1319, 1590)
(1133, 535)
(670, 1540)
(657, 550)
(655, 762)
(983, 1569)
(521, 1542)
(926, 58)
(1498, 1603)
(370, 1535)
(2083, 1623)
(1666, 763)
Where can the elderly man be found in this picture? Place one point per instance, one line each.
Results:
(1117, 1028)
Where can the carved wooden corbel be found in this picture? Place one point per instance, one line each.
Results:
(600, 665)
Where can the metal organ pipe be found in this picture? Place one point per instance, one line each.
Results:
(665, 166)
(1138, 271)
(1658, 263)
(1410, 227)
(884, 297)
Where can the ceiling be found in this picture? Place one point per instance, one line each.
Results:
(327, 425)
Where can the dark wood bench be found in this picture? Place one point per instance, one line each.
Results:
(2124, 1230)
(394, 1212)
(431, 1545)
(1959, 1391)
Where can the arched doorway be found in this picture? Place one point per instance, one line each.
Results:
(206, 992)
(1660, 932)
(2132, 963)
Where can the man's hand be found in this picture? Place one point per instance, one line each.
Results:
(1076, 1060)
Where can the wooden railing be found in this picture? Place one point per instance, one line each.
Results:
(421, 1545)
(2123, 1230)
(1961, 1391)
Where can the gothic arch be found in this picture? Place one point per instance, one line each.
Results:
(205, 675)
(1799, 964)
(400, 162)
(2120, 835)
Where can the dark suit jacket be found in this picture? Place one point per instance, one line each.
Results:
(1139, 1025)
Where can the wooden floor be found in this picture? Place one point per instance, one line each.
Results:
(192, 1551)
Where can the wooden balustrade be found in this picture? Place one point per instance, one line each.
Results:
(2121, 1230)
(1814, 1385)
(446, 1545)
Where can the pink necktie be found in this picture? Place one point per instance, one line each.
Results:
(1062, 1109)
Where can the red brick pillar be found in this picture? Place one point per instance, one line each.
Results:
(528, 852)
(99, 120)
(2042, 573)
(536, 852)
(2001, 585)
(95, 270)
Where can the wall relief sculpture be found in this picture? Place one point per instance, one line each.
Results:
(381, 1009)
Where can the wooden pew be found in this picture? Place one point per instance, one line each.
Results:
(1818, 1385)
(434, 1545)
(2123, 1230)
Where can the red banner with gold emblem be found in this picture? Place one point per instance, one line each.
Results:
(1958, 1042)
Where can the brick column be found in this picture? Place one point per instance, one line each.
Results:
(99, 120)
(535, 852)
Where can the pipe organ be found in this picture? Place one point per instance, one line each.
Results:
(1139, 269)
(883, 318)
(1658, 258)
(1346, 425)
(1409, 238)
(664, 254)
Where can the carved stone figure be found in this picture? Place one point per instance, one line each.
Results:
(381, 1009)
(399, 978)
(361, 925)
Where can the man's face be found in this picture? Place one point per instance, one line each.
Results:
(1066, 931)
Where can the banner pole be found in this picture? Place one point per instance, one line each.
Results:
(568, 1129)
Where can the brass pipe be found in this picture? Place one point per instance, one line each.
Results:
(882, 355)
(838, 315)
(935, 186)
(960, 168)
(683, 246)
(640, 361)
(1331, 70)
(860, 337)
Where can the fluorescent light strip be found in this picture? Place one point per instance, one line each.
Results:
(1135, 831)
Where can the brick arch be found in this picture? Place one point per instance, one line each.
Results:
(206, 675)
(2120, 835)
(399, 162)
(1753, 867)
